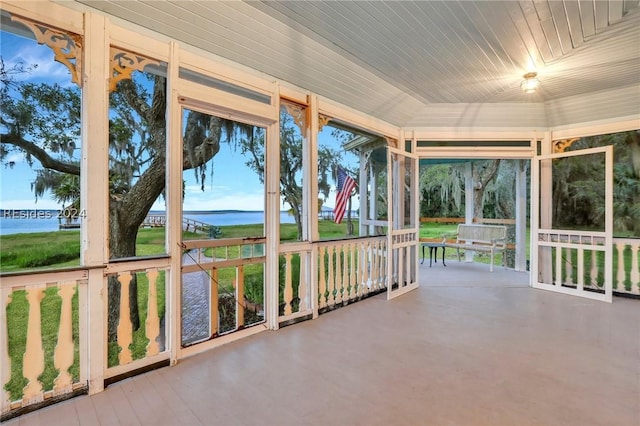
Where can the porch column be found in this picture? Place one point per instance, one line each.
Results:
(468, 203)
(521, 215)
(545, 188)
(94, 176)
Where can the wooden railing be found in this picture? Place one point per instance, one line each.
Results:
(346, 271)
(626, 279)
(188, 224)
(232, 270)
(350, 269)
(578, 261)
(42, 351)
(135, 348)
(295, 284)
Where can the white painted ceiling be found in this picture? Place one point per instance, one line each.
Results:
(390, 58)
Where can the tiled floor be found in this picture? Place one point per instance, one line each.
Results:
(468, 348)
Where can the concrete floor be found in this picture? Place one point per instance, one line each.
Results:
(468, 347)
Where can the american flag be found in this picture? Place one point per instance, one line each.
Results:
(345, 187)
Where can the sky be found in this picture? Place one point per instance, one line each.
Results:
(232, 186)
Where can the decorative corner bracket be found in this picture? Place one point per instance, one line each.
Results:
(67, 47)
(298, 113)
(323, 120)
(124, 63)
(562, 144)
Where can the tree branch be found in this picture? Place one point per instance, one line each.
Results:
(45, 159)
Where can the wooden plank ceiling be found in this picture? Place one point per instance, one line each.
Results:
(388, 58)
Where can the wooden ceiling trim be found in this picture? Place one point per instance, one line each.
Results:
(574, 22)
(487, 49)
(419, 35)
(561, 23)
(537, 31)
(509, 37)
(601, 12)
(616, 8)
(587, 18)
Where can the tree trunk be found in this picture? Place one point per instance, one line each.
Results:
(122, 244)
(297, 216)
(482, 176)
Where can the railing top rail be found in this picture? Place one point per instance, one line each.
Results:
(295, 247)
(627, 240)
(349, 240)
(41, 278)
(138, 265)
(594, 234)
(191, 244)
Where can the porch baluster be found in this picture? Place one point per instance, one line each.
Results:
(5, 374)
(568, 267)
(339, 272)
(580, 269)
(152, 324)
(33, 364)
(360, 268)
(302, 284)
(332, 284)
(345, 273)
(125, 328)
(368, 268)
(214, 319)
(322, 287)
(635, 270)
(376, 265)
(288, 286)
(594, 269)
(353, 293)
(241, 302)
(63, 356)
(621, 274)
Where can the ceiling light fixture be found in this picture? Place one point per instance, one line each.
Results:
(530, 83)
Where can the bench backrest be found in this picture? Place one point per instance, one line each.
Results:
(482, 233)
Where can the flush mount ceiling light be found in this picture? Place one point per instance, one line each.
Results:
(530, 83)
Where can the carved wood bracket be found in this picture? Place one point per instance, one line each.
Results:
(67, 47)
(323, 120)
(298, 113)
(124, 63)
(562, 144)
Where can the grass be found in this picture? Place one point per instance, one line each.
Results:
(39, 250)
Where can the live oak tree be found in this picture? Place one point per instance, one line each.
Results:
(291, 163)
(42, 122)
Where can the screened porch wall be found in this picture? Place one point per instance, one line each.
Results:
(90, 280)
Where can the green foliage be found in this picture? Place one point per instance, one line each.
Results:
(579, 185)
(442, 191)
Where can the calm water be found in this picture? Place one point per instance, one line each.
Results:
(46, 224)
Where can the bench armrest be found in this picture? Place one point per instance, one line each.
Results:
(449, 235)
(499, 241)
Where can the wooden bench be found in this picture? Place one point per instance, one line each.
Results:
(483, 238)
